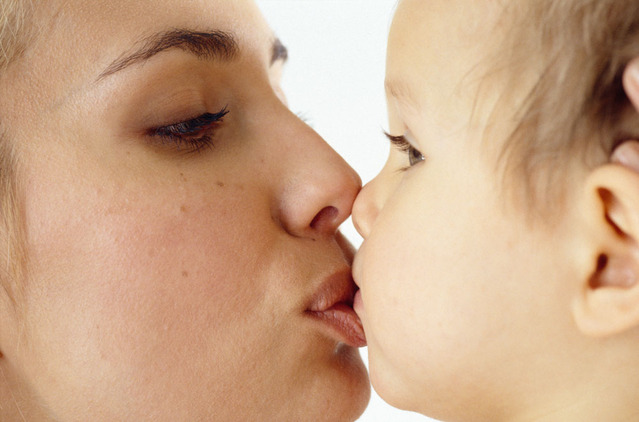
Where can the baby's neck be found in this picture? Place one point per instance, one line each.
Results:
(610, 406)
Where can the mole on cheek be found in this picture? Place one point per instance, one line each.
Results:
(220, 184)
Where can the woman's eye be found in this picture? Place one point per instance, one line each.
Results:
(414, 155)
(191, 135)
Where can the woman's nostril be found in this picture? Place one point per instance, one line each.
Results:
(325, 218)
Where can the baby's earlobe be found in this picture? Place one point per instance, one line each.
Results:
(627, 154)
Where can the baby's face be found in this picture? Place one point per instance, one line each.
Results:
(458, 294)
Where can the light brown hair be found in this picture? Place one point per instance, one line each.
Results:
(574, 109)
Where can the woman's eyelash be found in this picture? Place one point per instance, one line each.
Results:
(192, 135)
(191, 126)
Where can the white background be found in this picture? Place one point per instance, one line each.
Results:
(335, 80)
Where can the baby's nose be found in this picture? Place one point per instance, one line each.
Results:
(365, 210)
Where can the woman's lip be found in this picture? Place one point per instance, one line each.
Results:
(337, 288)
(342, 321)
(331, 305)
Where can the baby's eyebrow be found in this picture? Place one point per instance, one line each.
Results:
(396, 88)
(209, 45)
(400, 90)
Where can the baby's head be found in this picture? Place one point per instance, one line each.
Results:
(499, 273)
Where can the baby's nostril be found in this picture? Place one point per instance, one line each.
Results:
(325, 218)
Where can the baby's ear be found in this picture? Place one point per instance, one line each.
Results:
(608, 299)
(631, 82)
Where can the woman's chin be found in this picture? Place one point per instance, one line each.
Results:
(351, 389)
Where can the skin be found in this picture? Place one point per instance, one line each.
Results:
(468, 307)
(164, 283)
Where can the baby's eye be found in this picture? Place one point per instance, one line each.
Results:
(400, 142)
(414, 156)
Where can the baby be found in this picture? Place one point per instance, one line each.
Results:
(499, 272)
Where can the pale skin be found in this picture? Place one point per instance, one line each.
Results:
(472, 312)
(171, 280)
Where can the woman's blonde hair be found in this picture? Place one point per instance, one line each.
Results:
(575, 109)
(13, 14)
(14, 40)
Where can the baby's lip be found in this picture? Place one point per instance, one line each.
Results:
(355, 270)
(358, 306)
(332, 305)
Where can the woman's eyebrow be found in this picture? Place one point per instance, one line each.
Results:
(208, 45)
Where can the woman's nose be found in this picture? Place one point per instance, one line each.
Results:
(318, 195)
(365, 210)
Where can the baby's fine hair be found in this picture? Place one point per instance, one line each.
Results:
(574, 109)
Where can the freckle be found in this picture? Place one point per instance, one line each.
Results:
(183, 208)
(185, 274)
(220, 184)
(183, 177)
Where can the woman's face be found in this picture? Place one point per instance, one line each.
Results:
(183, 259)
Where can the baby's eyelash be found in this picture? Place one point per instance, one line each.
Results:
(399, 142)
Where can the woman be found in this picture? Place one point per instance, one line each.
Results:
(171, 237)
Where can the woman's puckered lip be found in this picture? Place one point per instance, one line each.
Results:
(332, 306)
(337, 288)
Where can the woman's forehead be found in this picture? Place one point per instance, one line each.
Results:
(110, 27)
(78, 40)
